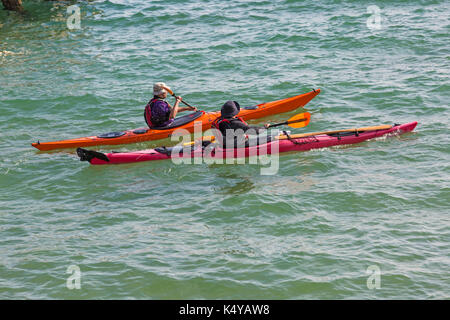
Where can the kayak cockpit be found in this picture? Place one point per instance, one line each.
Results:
(178, 122)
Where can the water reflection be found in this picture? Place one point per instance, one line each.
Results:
(241, 183)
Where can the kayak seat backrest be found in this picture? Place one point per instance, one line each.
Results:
(177, 122)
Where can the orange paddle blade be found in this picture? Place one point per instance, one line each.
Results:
(168, 90)
(299, 120)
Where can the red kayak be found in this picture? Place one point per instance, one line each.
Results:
(283, 143)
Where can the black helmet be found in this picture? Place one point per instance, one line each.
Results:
(230, 109)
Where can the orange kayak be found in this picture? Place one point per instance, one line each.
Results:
(185, 122)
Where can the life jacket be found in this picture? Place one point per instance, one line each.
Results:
(219, 120)
(148, 112)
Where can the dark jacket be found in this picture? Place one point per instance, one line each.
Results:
(236, 129)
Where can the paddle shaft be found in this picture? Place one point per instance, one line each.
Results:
(173, 95)
(301, 135)
(286, 122)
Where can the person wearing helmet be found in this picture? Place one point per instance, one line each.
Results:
(158, 112)
(232, 128)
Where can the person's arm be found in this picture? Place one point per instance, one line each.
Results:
(174, 109)
(180, 109)
(245, 127)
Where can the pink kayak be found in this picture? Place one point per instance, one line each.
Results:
(296, 142)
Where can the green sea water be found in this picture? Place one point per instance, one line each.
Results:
(368, 221)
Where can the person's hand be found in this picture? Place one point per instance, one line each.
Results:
(194, 109)
(178, 98)
(267, 125)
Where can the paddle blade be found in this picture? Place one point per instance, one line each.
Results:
(168, 90)
(299, 120)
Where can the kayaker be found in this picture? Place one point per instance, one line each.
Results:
(158, 112)
(234, 129)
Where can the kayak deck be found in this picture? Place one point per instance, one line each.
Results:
(206, 119)
(304, 143)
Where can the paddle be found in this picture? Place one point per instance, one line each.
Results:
(298, 121)
(173, 95)
(301, 135)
